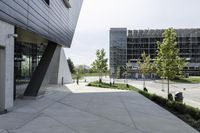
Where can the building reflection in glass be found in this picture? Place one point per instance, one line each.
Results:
(27, 58)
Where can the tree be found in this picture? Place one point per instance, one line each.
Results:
(144, 66)
(100, 64)
(83, 69)
(126, 70)
(78, 75)
(168, 64)
(71, 65)
(91, 70)
(119, 72)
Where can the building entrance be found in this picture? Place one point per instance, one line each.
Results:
(27, 57)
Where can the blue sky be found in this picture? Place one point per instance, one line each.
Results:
(98, 16)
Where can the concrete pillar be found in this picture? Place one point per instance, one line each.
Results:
(64, 74)
(55, 66)
(6, 66)
(61, 73)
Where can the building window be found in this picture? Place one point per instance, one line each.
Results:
(27, 57)
(47, 2)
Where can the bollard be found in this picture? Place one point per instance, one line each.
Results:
(62, 80)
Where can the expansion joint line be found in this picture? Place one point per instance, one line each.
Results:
(89, 102)
(123, 103)
(63, 124)
(100, 116)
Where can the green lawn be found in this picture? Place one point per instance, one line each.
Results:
(88, 75)
(95, 74)
(118, 86)
(191, 79)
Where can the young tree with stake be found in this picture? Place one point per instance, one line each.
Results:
(144, 66)
(100, 64)
(168, 64)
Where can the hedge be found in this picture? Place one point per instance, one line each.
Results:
(185, 112)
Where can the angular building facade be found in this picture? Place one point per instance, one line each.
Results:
(32, 36)
(139, 41)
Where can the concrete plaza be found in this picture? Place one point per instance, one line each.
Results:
(82, 109)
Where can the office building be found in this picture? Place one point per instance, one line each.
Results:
(128, 45)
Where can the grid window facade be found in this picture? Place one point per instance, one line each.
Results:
(139, 41)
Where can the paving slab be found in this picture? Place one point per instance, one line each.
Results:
(3, 131)
(82, 109)
(15, 120)
(43, 124)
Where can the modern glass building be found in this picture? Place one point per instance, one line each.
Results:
(32, 36)
(138, 41)
(118, 48)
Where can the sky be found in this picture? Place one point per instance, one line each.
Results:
(98, 16)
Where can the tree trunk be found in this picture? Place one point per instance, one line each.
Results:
(144, 82)
(126, 78)
(168, 86)
(99, 78)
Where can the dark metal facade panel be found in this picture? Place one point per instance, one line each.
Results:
(55, 22)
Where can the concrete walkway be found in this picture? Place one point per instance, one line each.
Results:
(81, 109)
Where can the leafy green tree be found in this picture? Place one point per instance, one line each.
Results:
(168, 64)
(71, 65)
(100, 64)
(82, 68)
(91, 70)
(144, 66)
(78, 75)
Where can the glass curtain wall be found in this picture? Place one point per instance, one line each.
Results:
(27, 58)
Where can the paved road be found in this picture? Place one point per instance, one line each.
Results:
(81, 109)
(191, 94)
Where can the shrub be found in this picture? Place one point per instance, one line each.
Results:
(191, 121)
(145, 89)
(146, 94)
(170, 104)
(174, 106)
(194, 112)
(159, 100)
(127, 85)
(180, 108)
(170, 97)
(187, 113)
